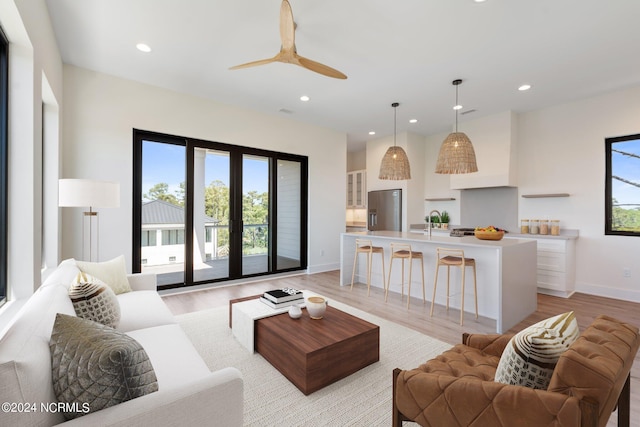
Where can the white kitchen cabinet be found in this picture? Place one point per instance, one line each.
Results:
(357, 189)
(556, 265)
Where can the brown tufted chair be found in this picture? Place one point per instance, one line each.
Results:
(457, 387)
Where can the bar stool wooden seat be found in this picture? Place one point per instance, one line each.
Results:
(364, 246)
(455, 258)
(403, 252)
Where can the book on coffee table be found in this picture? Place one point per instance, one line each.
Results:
(281, 304)
(278, 296)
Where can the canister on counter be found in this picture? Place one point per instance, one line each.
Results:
(534, 226)
(544, 226)
(524, 226)
(555, 227)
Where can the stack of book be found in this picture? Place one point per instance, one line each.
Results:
(279, 298)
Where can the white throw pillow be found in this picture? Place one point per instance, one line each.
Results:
(93, 300)
(113, 273)
(531, 355)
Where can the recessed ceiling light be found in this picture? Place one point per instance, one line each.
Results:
(479, 1)
(304, 98)
(457, 107)
(372, 133)
(142, 47)
(413, 121)
(524, 87)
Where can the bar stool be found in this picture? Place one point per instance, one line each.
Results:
(455, 258)
(403, 251)
(364, 246)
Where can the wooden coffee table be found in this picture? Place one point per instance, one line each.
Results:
(315, 353)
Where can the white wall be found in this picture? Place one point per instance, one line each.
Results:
(101, 111)
(356, 160)
(561, 149)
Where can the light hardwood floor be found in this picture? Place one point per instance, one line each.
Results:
(443, 326)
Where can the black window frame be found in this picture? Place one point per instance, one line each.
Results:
(237, 152)
(4, 164)
(609, 177)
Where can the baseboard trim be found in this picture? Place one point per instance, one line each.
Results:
(323, 268)
(608, 292)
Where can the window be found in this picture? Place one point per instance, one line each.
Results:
(244, 210)
(4, 162)
(172, 237)
(148, 237)
(622, 186)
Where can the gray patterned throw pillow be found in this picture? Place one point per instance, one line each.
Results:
(95, 366)
(93, 300)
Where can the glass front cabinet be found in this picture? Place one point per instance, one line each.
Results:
(356, 189)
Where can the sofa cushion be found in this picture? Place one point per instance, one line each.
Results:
(94, 366)
(142, 309)
(531, 355)
(175, 360)
(113, 273)
(93, 300)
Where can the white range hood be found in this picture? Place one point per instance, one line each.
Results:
(494, 142)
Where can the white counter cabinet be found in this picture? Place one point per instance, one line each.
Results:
(506, 272)
(556, 263)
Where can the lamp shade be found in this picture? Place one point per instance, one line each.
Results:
(456, 155)
(395, 165)
(88, 193)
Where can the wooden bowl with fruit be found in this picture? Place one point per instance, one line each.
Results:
(489, 233)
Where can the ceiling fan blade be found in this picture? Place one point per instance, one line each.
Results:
(287, 26)
(254, 63)
(320, 68)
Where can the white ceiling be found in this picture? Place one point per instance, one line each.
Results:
(407, 51)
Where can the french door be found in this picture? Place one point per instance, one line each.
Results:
(246, 209)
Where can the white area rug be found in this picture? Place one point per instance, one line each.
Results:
(361, 399)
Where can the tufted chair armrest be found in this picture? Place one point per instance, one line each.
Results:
(492, 344)
(434, 400)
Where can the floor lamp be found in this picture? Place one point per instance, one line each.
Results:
(92, 194)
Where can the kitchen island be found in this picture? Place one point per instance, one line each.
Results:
(506, 272)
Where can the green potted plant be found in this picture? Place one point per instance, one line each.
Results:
(444, 218)
(435, 221)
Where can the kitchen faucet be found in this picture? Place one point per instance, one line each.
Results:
(429, 221)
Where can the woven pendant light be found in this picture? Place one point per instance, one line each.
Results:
(395, 163)
(456, 153)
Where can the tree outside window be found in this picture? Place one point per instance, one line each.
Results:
(622, 191)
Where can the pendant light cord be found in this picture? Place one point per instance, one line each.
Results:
(456, 83)
(395, 124)
(395, 121)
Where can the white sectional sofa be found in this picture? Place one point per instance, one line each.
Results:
(188, 392)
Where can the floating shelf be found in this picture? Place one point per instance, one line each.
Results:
(440, 199)
(538, 196)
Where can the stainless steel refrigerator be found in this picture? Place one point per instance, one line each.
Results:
(385, 210)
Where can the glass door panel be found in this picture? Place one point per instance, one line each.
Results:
(163, 212)
(255, 214)
(289, 215)
(211, 215)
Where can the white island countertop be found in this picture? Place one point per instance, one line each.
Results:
(437, 237)
(506, 272)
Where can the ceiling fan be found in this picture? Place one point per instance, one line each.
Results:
(288, 53)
